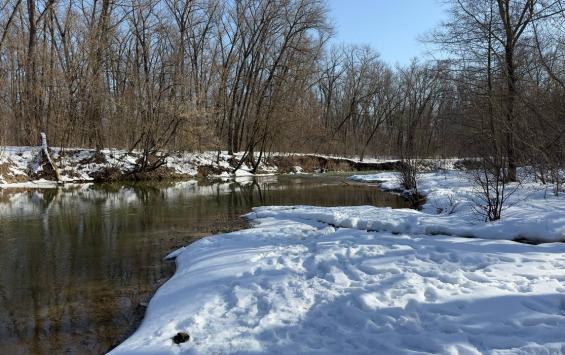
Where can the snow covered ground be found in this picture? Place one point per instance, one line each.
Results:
(296, 285)
(367, 280)
(532, 212)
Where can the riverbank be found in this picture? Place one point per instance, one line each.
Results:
(366, 279)
(19, 166)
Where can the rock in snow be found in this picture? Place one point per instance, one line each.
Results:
(314, 280)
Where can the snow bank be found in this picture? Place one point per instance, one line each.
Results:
(293, 285)
(82, 165)
(533, 213)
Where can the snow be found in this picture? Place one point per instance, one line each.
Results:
(297, 170)
(532, 213)
(35, 184)
(293, 284)
(76, 165)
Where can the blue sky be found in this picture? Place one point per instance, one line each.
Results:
(389, 26)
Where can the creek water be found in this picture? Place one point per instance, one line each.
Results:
(78, 264)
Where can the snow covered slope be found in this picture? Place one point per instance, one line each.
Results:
(295, 285)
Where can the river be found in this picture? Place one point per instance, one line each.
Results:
(78, 264)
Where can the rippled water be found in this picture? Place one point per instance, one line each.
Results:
(77, 264)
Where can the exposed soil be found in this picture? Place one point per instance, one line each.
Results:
(313, 163)
(96, 158)
(467, 164)
(159, 174)
(210, 170)
(107, 174)
(8, 176)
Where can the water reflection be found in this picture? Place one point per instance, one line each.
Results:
(76, 263)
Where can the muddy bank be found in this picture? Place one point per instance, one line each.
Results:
(310, 163)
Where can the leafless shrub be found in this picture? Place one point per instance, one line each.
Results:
(491, 188)
(408, 174)
(447, 208)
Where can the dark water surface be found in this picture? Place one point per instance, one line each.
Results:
(77, 264)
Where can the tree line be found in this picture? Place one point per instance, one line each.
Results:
(257, 76)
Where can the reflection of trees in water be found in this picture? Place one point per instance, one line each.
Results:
(260, 194)
(74, 275)
(250, 194)
(81, 263)
(75, 263)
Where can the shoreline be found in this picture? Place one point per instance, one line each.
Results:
(19, 167)
(239, 224)
(234, 291)
(235, 225)
(335, 220)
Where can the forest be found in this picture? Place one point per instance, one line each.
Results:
(259, 76)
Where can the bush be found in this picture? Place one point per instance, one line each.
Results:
(408, 174)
